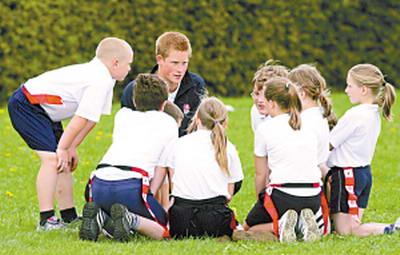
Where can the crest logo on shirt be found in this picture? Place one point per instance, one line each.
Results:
(186, 108)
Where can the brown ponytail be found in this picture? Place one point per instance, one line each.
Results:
(282, 91)
(371, 77)
(212, 114)
(310, 80)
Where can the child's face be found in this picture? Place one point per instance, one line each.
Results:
(121, 68)
(259, 100)
(173, 68)
(353, 91)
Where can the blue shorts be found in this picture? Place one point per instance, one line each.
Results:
(33, 124)
(362, 188)
(126, 192)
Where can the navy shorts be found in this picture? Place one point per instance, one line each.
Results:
(33, 124)
(129, 193)
(282, 202)
(362, 188)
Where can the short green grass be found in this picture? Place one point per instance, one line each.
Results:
(19, 212)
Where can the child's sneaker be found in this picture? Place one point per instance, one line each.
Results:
(123, 222)
(51, 223)
(287, 224)
(397, 224)
(92, 222)
(308, 226)
(259, 236)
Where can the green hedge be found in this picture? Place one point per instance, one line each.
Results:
(229, 38)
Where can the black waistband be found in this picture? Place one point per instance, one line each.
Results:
(125, 168)
(198, 203)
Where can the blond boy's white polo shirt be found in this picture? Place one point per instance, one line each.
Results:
(86, 90)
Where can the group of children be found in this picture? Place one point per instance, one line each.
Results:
(154, 157)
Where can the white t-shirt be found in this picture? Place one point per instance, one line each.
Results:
(86, 90)
(292, 155)
(354, 137)
(172, 96)
(197, 174)
(139, 139)
(312, 119)
(257, 118)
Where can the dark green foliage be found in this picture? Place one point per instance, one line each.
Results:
(229, 38)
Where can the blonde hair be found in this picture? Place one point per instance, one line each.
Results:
(172, 41)
(173, 110)
(282, 91)
(266, 71)
(113, 48)
(212, 114)
(310, 80)
(371, 77)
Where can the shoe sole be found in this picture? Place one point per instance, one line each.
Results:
(121, 226)
(311, 231)
(288, 233)
(89, 229)
(259, 236)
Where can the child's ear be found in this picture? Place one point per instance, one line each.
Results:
(364, 90)
(159, 58)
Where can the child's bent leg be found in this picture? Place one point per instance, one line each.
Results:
(347, 224)
(150, 228)
(266, 227)
(46, 180)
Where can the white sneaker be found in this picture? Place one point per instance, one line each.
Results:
(287, 224)
(308, 226)
(52, 223)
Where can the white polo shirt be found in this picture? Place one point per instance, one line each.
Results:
(313, 120)
(197, 174)
(86, 90)
(139, 139)
(257, 118)
(354, 137)
(292, 155)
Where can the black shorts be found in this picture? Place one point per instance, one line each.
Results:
(198, 218)
(362, 188)
(282, 202)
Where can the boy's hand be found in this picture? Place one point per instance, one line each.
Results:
(74, 158)
(63, 160)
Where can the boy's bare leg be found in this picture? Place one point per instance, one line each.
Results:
(150, 228)
(266, 227)
(64, 193)
(46, 180)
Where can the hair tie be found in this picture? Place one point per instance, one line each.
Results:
(287, 85)
(384, 83)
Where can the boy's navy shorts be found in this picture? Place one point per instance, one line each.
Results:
(127, 192)
(33, 124)
(362, 188)
(282, 202)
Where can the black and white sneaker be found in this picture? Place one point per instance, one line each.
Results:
(308, 226)
(92, 222)
(123, 221)
(287, 224)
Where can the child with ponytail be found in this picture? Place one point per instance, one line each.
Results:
(353, 140)
(205, 166)
(291, 196)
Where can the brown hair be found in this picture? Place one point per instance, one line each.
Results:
(371, 77)
(149, 92)
(172, 41)
(266, 71)
(310, 80)
(282, 91)
(212, 114)
(173, 110)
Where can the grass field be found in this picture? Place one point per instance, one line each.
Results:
(19, 212)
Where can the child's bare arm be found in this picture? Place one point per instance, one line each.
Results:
(158, 179)
(74, 127)
(262, 173)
